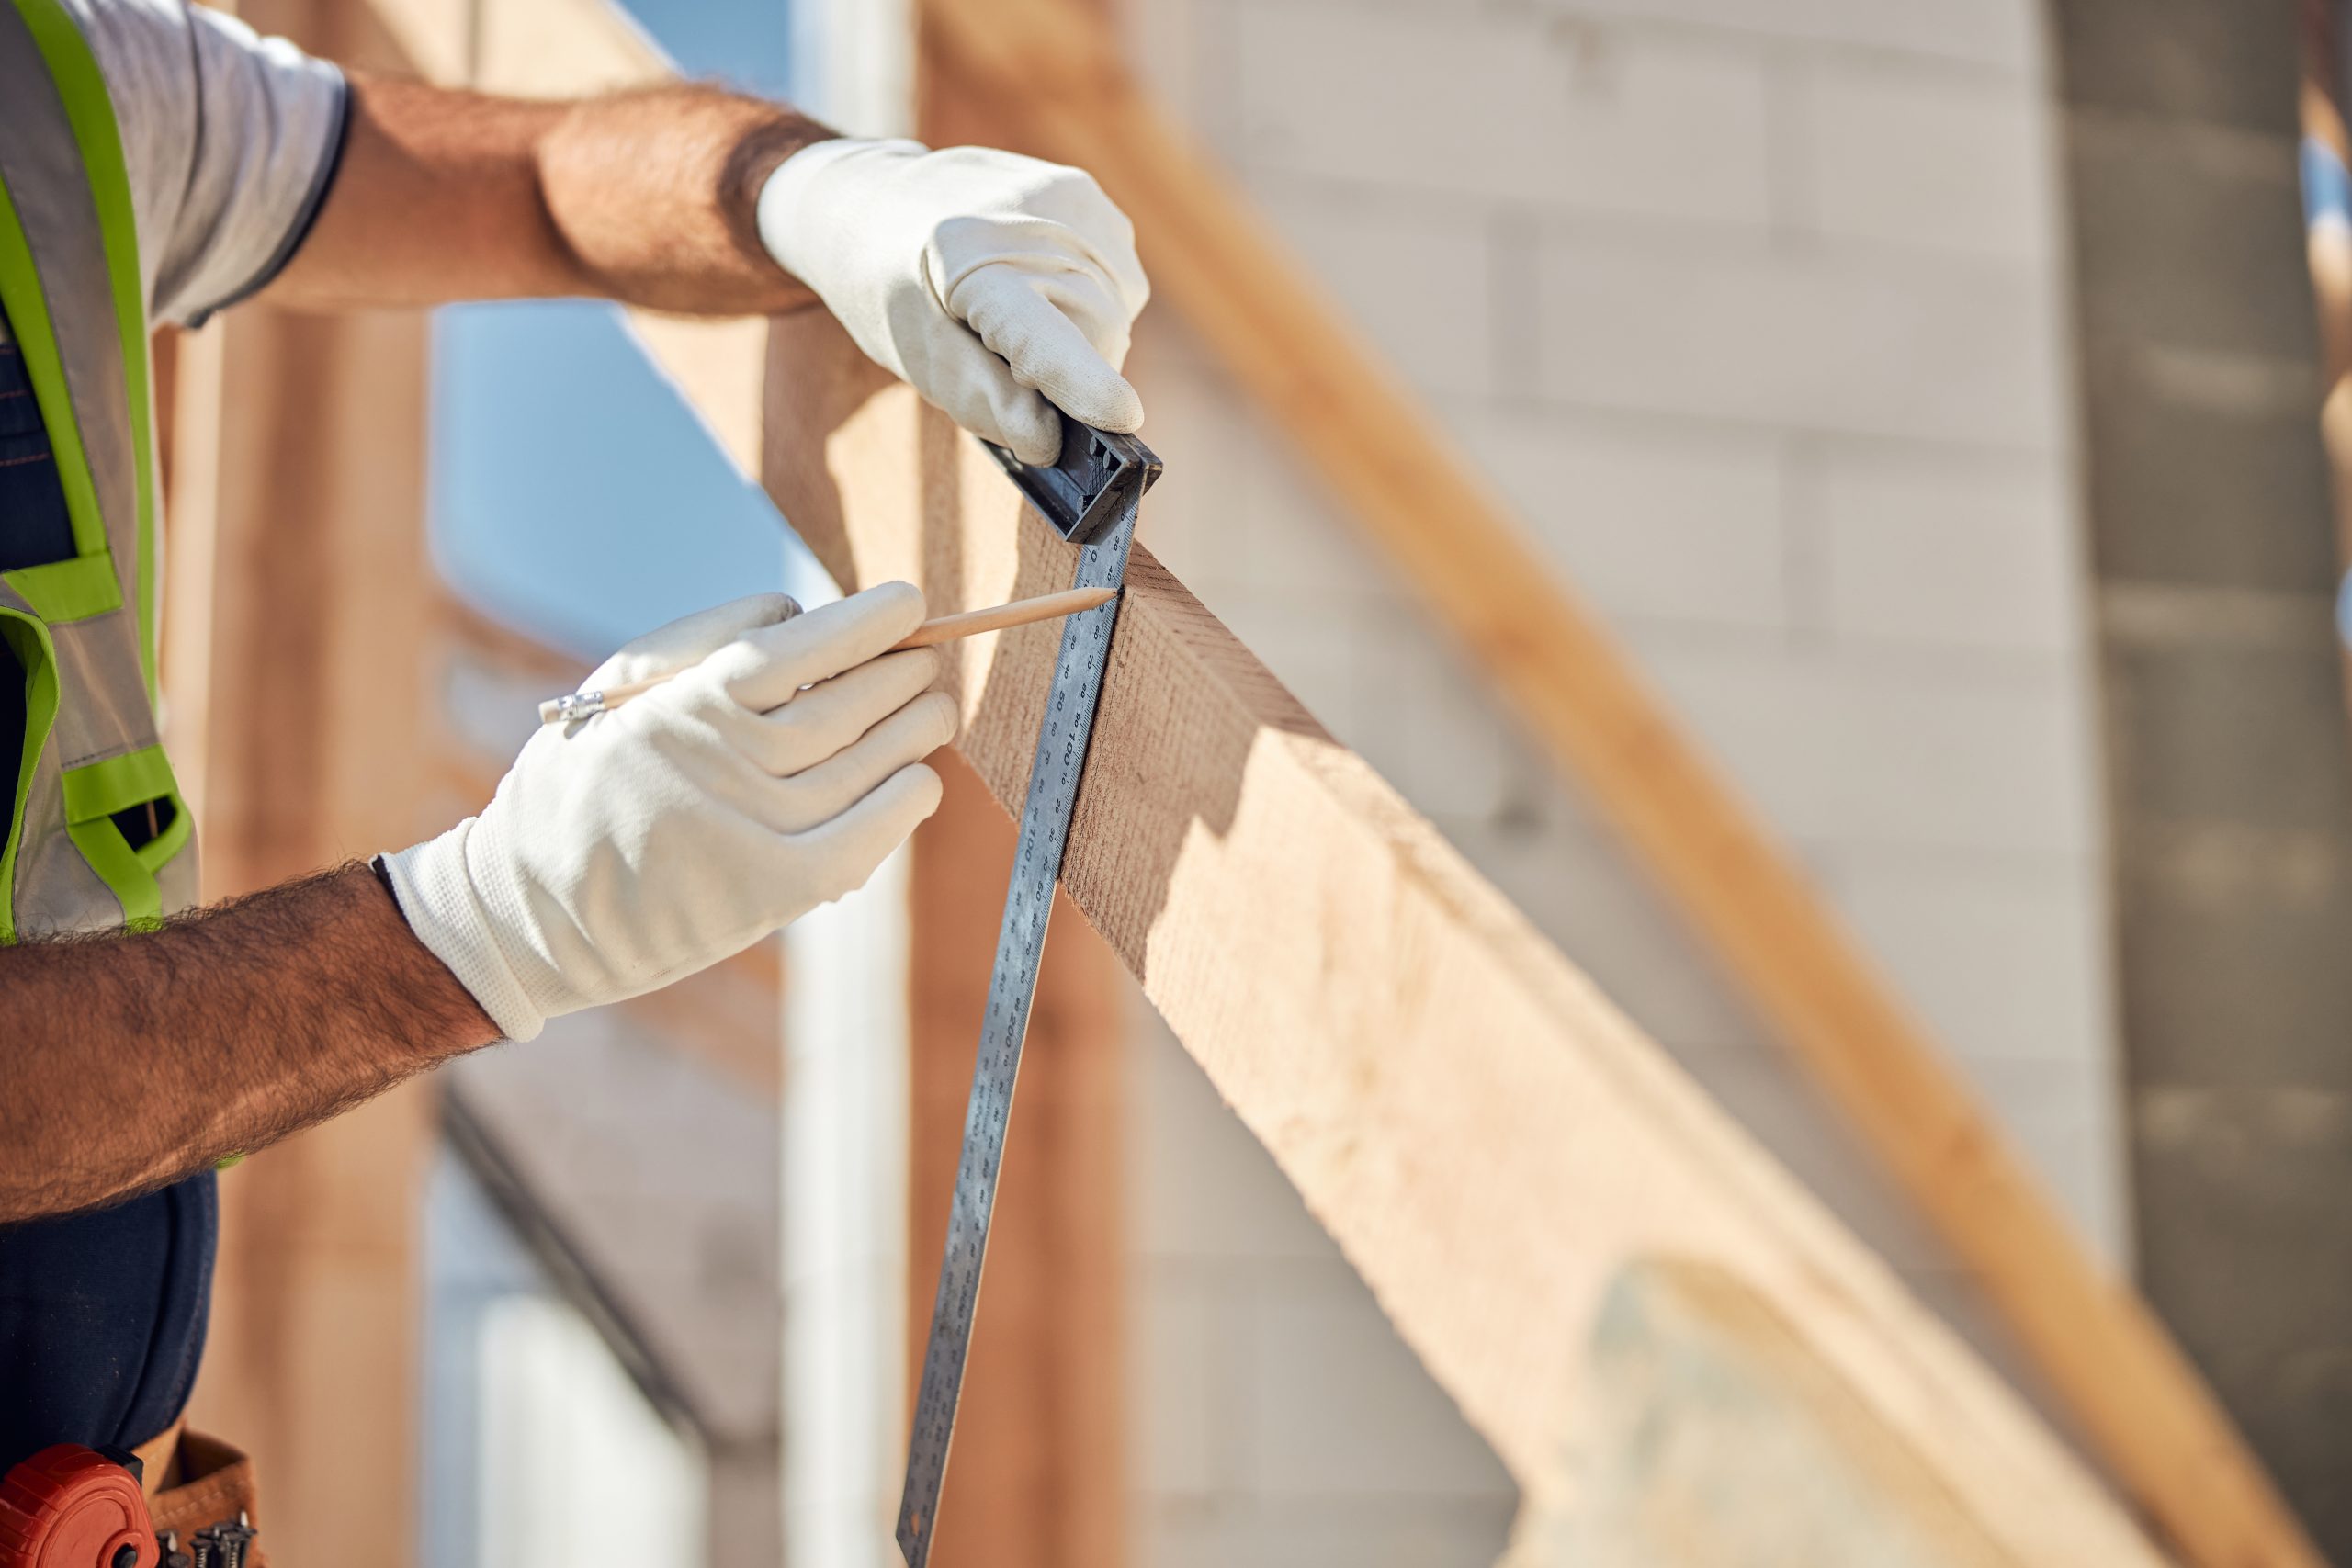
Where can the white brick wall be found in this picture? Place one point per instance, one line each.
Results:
(1744, 331)
(1944, 161)
(1278, 1420)
(1456, 104)
(1647, 519)
(1926, 548)
(1753, 307)
(2001, 34)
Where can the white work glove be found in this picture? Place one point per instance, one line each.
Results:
(981, 279)
(628, 850)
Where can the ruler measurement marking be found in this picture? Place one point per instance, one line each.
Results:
(1055, 770)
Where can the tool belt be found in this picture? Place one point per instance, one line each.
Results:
(194, 1482)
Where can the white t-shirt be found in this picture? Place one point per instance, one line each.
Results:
(229, 139)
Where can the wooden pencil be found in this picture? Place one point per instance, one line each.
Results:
(943, 628)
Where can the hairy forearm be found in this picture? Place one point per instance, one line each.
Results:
(644, 197)
(654, 193)
(137, 1058)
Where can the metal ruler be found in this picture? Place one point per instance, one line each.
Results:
(1090, 496)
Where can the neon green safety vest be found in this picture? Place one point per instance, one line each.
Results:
(83, 629)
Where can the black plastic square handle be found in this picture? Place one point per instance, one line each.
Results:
(1098, 476)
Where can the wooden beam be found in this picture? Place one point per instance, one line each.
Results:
(307, 755)
(298, 562)
(1498, 1151)
(295, 579)
(1050, 71)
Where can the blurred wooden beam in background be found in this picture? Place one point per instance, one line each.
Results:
(296, 584)
(297, 735)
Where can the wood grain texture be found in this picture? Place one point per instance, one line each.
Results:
(1714, 1438)
(1490, 1140)
(1050, 76)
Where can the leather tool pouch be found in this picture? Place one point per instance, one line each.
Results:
(214, 1482)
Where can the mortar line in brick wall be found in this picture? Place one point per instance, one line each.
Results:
(1726, 38)
(1791, 219)
(1547, 404)
(2003, 669)
(1822, 250)
(1514, 303)
(1805, 549)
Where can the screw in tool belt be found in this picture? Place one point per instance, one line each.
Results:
(224, 1545)
(1090, 496)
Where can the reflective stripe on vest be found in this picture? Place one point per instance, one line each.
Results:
(83, 630)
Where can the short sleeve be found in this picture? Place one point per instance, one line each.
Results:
(231, 139)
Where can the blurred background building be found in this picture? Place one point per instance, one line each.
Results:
(1926, 394)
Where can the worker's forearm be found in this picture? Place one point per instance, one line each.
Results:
(654, 194)
(135, 1058)
(644, 197)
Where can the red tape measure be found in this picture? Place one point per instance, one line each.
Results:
(73, 1507)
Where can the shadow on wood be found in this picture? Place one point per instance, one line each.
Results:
(1489, 1141)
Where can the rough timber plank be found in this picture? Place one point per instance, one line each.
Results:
(1492, 1143)
(1711, 1437)
(1051, 74)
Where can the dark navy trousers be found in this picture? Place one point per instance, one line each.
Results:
(102, 1320)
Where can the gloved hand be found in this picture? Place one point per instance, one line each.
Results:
(981, 279)
(625, 850)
